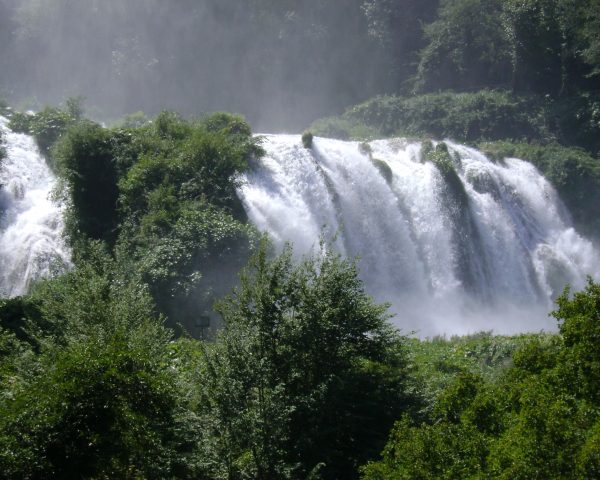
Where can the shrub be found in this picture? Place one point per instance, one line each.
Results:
(307, 139)
(306, 375)
(84, 159)
(441, 158)
(46, 126)
(343, 128)
(98, 399)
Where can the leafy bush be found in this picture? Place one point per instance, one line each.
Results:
(163, 195)
(98, 399)
(579, 327)
(47, 126)
(444, 451)
(441, 158)
(84, 160)
(306, 375)
(538, 419)
(575, 120)
(463, 117)
(343, 128)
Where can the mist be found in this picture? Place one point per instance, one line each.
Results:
(280, 64)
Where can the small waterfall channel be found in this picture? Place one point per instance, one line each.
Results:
(31, 223)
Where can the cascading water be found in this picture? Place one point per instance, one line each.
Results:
(31, 224)
(488, 252)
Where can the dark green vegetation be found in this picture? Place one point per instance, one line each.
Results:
(306, 377)
(105, 371)
(283, 63)
(465, 117)
(537, 419)
(304, 381)
(160, 197)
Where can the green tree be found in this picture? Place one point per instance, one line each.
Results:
(306, 376)
(397, 26)
(466, 48)
(580, 327)
(98, 399)
(84, 159)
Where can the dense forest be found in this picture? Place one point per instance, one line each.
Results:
(283, 64)
(181, 344)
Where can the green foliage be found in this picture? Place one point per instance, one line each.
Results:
(467, 48)
(84, 160)
(182, 223)
(306, 374)
(200, 160)
(227, 124)
(163, 196)
(47, 125)
(537, 419)
(463, 117)
(74, 107)
(397, 27)
(539, 46)
(473, 117)
(545, 44)
(195, 262)
(133, 120)
(343, 128)
(457, 397)
(15, 315)
(579, 318)
(588, 33)
(384, 169)
(444, 451)
(441, 158)
(438, 362)
(98, 400)
(575, 120)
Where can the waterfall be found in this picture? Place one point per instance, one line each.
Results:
(31, 224)
(488, 253)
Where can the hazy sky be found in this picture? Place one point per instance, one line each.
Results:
(280, 63)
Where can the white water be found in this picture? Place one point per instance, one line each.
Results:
(31, 224)
(493, 263)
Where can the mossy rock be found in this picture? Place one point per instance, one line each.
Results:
(426, 150)
(365, 148)
(307, 139)
(384, 169)
(442, 159)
